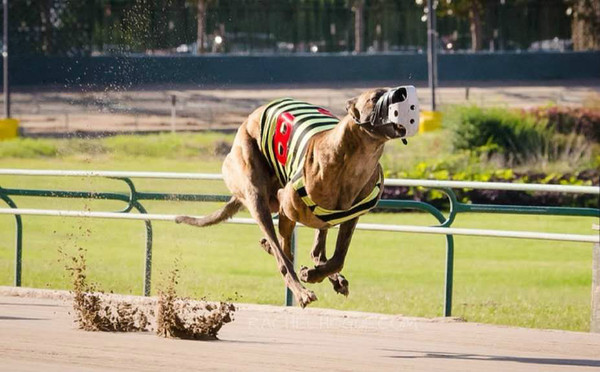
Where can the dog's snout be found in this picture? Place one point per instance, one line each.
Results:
(401, 130)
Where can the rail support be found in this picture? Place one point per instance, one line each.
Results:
(595, 321)
(147, 252)
(289, 295)
(19, 240)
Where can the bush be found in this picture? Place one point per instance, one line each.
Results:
(515, 137)
(568, 120)
(438, 199)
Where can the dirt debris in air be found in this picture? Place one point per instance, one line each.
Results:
(182, 318)
(94, 310)
(175, 317)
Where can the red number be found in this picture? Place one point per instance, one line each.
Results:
(281, 139)
(325, 112)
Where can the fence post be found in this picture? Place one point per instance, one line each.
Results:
(595, 321)
(173, 111)
(289, 295)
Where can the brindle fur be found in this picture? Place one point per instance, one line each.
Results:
(341, 167)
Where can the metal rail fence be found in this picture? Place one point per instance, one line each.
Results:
(134, 198)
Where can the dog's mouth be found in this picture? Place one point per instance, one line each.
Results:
(393, 130)
(400, 130)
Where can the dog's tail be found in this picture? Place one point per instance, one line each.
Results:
(232, 207)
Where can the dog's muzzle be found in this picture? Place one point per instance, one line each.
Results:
(398, 107)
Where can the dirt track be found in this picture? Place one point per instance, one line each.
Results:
(47, 110)
(37, 334)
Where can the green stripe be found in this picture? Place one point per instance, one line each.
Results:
(304, 115)
(322, 213)
(266, 120)
(272, 118)
(299, 159)
(300, 129)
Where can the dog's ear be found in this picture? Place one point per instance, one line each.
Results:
(351, 108)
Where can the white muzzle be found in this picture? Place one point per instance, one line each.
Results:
(403, 108)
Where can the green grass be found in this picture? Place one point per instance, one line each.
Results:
(503, 281)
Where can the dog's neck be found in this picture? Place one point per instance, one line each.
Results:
(344, 162)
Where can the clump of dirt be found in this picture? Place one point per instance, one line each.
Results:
(175, 317)
(94, 311)
(182, 318)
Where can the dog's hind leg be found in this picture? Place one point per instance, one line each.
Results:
(258, 207)
(286, 229)
(231, 208)
(318, 255)
(248, 177)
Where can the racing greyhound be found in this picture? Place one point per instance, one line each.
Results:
(299, 160)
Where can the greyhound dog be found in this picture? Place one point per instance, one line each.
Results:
(298, 160)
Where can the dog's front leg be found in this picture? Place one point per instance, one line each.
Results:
(318, 254)
(336, 262)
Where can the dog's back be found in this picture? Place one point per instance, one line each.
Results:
(286, 126)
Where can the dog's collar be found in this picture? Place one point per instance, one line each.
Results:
(358, 122)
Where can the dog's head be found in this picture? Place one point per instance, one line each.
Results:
(386, 113)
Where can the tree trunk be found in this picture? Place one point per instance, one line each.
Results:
(476, 27)
(201, 14)
(585, 26)
(359, 7)
(46, 27)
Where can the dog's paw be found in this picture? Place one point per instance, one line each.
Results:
(264, 243)
(182, 219)
(303, 274)
(340, 284)
(306, 297)
(310, 275)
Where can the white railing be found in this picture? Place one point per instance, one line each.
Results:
(389, 182)
(360, 226)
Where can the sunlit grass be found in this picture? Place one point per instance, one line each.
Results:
(504, 281)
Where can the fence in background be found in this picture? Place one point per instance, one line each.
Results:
(121, 73)
(134, 198)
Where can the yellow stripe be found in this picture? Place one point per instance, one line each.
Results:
(274, 114)
(299, 160)
(268, 119)
(319, 211)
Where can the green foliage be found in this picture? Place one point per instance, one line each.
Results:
(27, 148)
(496, 130)
(570, 120)
(155, 146)
(82, 27)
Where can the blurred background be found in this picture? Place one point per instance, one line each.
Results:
(142, 65)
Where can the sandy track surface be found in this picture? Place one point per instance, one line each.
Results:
(37, 334)
(47, 110)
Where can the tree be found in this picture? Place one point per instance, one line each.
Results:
(473, 10)
(358, 7)
(201, 7)
(585, 24)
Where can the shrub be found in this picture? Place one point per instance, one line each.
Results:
(515, 137)
(567, 120)
(423, 171)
